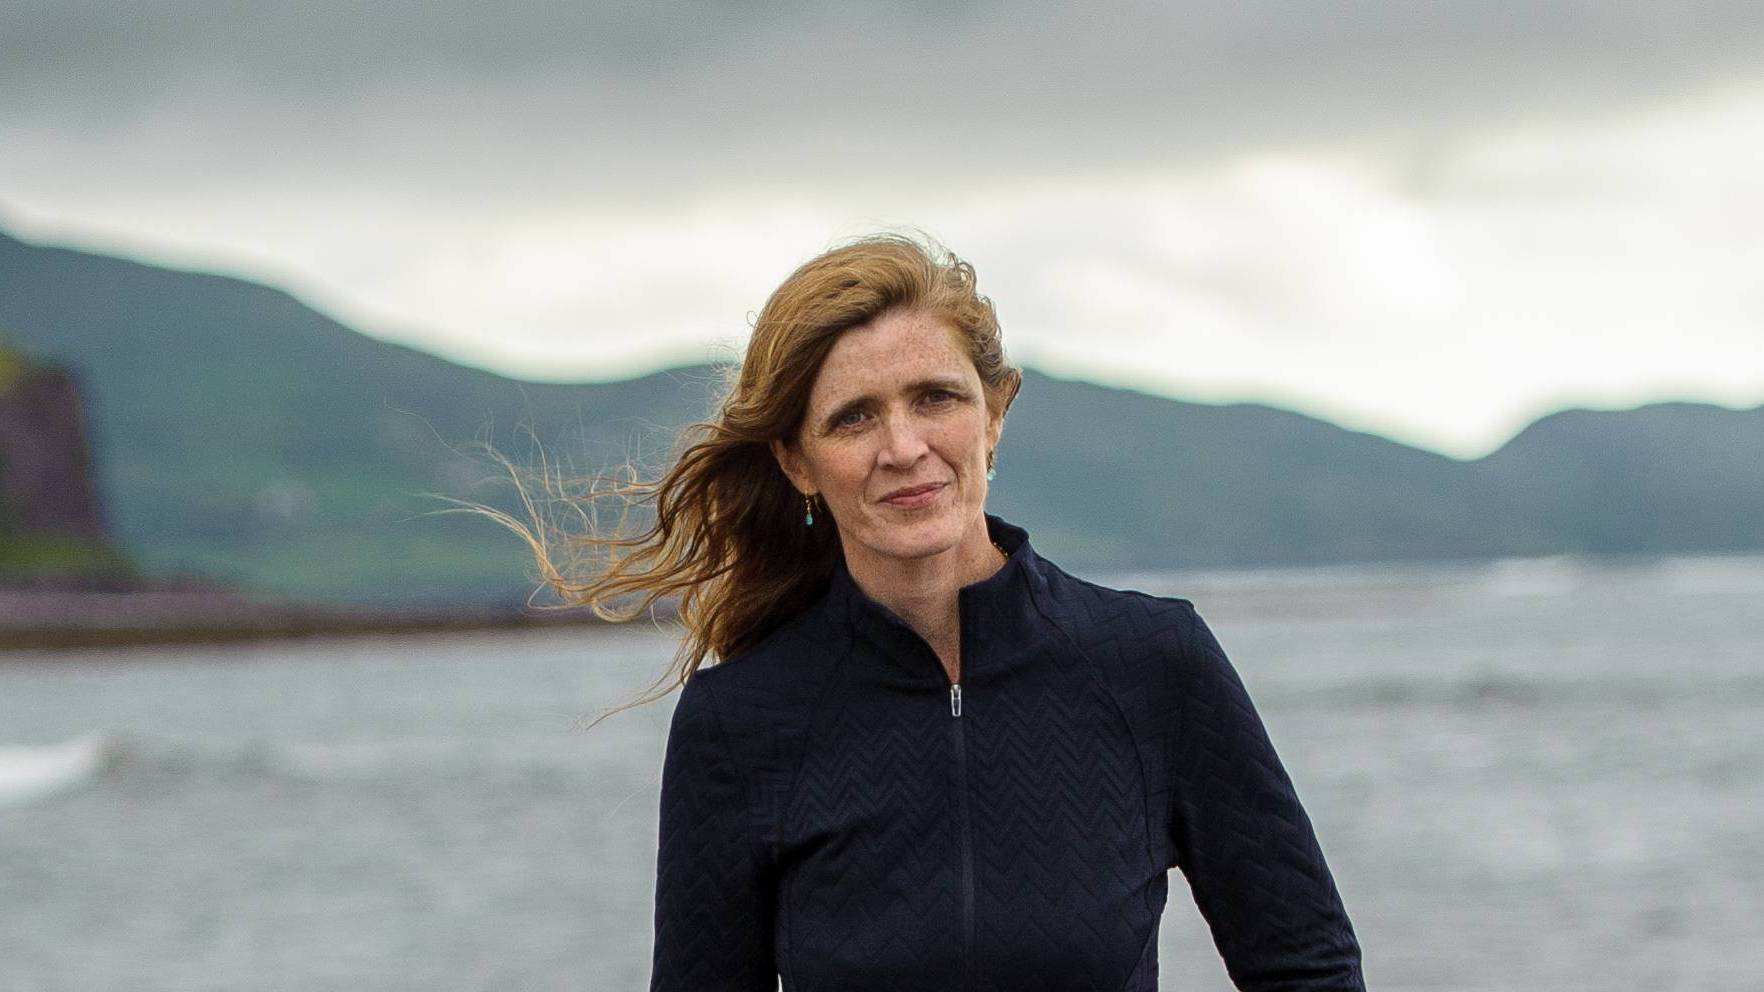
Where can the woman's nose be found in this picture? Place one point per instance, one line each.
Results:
(902, 441)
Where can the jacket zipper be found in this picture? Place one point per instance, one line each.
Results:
(958, 739)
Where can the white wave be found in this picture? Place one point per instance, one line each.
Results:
(399, 757)
(1553, 575)
(371, 759)
(1696, 575)
(32, 772)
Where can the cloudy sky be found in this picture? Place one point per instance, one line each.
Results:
(1435, 221)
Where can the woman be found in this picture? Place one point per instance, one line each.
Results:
(928, 758)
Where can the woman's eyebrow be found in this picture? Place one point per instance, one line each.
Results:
(952, 384)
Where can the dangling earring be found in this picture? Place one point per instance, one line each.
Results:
(990, 471)
(808, 509)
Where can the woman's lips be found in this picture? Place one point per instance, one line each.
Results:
(915, 499)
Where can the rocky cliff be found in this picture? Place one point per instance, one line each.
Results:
(45, 461)
(52, 527)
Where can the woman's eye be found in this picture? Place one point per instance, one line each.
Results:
(855, 417)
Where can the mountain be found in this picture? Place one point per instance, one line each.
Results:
(1665, 478)
(240, 431)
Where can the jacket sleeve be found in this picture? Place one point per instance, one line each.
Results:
(714, 882)
(1244, 842)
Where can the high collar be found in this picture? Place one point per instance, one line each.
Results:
(996, 614)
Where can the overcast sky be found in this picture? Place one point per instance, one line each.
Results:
(1433, 221)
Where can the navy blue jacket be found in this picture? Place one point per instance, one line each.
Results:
(835, 812)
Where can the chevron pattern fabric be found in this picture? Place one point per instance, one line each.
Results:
(831, 820)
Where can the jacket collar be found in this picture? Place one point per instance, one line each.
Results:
(996, 614)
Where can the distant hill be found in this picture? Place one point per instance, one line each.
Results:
(1668, 477)
(239, 431)
(242, 433)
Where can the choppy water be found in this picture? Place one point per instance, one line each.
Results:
(1543, 774)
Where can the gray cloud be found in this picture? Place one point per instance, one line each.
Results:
(848, 85)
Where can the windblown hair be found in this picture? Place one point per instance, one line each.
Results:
(728, 537)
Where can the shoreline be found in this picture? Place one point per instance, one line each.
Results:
(74, 620)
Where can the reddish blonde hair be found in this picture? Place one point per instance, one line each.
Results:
(728, 537)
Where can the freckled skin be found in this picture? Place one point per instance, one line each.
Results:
(855, 451)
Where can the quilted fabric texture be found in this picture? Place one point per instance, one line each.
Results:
(829, 820)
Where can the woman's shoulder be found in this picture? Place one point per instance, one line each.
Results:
(760, 700)
(1110, 610)
(786, 666)
(1145, 639)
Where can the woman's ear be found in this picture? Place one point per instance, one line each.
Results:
(791, 464)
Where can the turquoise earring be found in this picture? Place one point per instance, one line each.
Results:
(808, 509)
(990, 471)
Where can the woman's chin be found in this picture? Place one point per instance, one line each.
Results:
(918, 536)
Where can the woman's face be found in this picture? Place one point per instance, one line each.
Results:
(897, 406)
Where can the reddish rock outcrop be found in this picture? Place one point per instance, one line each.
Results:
(46, 485)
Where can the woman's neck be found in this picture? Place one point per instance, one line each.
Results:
(924, 592)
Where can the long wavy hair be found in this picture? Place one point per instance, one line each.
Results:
(727, 536)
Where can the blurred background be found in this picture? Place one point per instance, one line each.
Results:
(1420, 345)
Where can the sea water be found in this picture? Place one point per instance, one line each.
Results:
(1542, 774)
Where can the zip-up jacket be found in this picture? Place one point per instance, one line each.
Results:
(836, 813)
